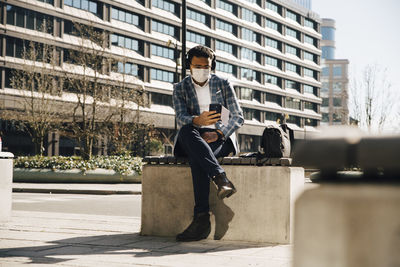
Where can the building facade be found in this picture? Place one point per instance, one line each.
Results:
(270, 51)
(334, 78)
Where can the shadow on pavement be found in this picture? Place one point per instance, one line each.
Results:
(119, 244)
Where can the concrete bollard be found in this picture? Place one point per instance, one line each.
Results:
(6, 178)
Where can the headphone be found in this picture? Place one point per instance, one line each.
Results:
(189, 56)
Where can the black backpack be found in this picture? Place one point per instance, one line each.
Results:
(275, 142)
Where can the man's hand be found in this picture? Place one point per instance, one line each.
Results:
(207, 118)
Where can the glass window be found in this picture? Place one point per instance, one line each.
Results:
(163, 28)
(271, 79)
(126, 42)
(311, 122)
(127, 68)
(125, 16)
(291, 15)
(163, 4)
(308, 56)
(246, 93)
(293, 103)
(68, 2)
(308, 89)
(248, 74)
(337, 70)
(248, 35)
(325, 117)
(292, 85)
(224, 67)
(225, 26)
(250, 114)
(328, 52)
(337, 102)
(114, 13)
(325, 71)
(20, 17)
(271, 6)
(291, 67)
(30, 20)
(311, 106)
(161, 99)
(292, 33)
(325, 102)
(272, 24)
(225, 5)
(291, 50)
(197, 16)
(271, 43)
(337, 87)
(160, 51)
(271, 61)
(336, 117)
(309, 23)
(309, 40)
(162, 75)
(222, 46)
(274, 98)
(248, 54)
(294, 119)
(328, 33)
(325, 87)
(308, 73)
(11, 15)
(196, 38)
(248, 15)
(271, 116)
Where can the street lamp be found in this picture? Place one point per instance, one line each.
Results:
(176, 79)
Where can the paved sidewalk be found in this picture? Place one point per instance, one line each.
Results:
(78, 188)
(60, 239)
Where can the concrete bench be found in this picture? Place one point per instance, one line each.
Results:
(6, 174)
(261, 210)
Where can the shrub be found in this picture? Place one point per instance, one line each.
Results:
(124, 165)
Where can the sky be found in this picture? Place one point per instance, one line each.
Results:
(367, 32)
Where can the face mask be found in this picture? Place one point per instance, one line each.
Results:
(200, 75)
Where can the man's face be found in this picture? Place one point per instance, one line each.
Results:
(200, 69)
(200, 63)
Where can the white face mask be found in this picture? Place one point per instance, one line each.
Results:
(200, 75)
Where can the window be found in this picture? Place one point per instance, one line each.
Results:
(127, 68)
(224, 67)
(291, 15)
(161, 99)
(292, 103)
(248, 15)
(271, 79)
(196, 38)
(311, 122)
(271, 43)
(336, 117)
(249, 143)
(51, 2)
(87, 5)
(294, 119)
(248, 74)
(291, 67)
(163, 28)
(274, 98)
(272, 25)
(292, 33)
(328, 52)
(308, 89)
(325, 102)
(225, 5)
(126, 42)
(222, 46)
(163, 4)
(311, 106)
(309, 23)
(125, 16)
(161, 51)
(328, 33)
(309, 73)
(325, 71)
(309, 40)
(271, 61)
(325, 117)
(197, 16)
(250, 114)
(337, 70)
(271, 6)
(32, 20)
(337, 102)
(291, 50)
(248, 54)
(225, 26)
(248, 35)
(337, 87)
(325, 87)
(292, 85)
(162, 75)
(308, 56)
(246, 93)
(271, 116)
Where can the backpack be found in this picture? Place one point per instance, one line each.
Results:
(275, 142)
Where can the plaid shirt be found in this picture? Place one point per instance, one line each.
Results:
(187, 106)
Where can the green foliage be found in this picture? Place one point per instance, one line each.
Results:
(124, 164)
(154, 146)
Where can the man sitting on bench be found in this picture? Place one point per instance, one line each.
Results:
(202, 136)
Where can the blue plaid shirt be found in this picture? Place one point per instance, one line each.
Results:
(187, 106)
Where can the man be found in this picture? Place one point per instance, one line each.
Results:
(202, 136)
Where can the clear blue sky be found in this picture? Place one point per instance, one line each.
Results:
(367, 32)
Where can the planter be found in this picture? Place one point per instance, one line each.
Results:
(22, 175)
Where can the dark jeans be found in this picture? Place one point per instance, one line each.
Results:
(203, 161)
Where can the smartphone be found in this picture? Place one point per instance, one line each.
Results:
(215, 107)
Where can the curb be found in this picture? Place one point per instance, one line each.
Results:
(75, 191)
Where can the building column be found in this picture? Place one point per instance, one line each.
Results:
(53, 144)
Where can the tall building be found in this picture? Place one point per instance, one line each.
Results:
(334, 78)
(270, 51)
(303, 3)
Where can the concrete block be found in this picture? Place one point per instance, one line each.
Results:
(348, 226)
(261, 210)
(6, 174)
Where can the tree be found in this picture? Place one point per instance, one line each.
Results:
(38, 88)
(372, 99)
(87, 77)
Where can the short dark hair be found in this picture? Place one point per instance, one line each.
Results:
(199, 51)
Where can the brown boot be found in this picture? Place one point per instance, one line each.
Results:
(225, 187)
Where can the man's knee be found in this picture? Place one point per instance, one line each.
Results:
(185, 131)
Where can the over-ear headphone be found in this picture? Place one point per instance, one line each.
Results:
(189, 56)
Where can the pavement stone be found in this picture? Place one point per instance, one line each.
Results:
(80, 240)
